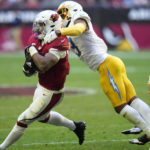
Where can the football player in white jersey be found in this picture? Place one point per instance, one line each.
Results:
(92, 51)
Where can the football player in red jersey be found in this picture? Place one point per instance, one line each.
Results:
(53, 67)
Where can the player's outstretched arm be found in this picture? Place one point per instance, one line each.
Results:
(77, 29)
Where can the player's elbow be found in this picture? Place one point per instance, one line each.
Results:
(42, 66)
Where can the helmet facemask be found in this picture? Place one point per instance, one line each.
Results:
(39, 29)
(65, 15)
(63, 12)
(67, 9)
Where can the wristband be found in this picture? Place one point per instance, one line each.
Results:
(32, 50)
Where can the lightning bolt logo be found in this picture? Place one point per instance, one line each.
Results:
(113, 84)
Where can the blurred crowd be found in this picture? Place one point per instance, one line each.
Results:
(115, 3)
(40, 4)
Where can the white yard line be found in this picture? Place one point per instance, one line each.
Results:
(75, 142)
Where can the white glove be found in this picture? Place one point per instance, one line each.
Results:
(49, 37)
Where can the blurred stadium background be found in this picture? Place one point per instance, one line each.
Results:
(123, 24)
(125, 27)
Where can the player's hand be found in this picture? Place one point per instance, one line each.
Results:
(29, 68)
(50, 37)
(28, 71)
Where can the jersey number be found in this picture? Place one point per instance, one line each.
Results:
(74, 47)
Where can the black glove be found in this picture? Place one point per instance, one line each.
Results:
(29, 68)
(27, 53)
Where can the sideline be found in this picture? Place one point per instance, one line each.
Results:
(28, 90)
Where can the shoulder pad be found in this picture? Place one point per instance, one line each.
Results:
(80, 14)
(60, 43)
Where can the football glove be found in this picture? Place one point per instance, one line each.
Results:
(29, 68)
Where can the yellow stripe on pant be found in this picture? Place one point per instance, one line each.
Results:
(114, 81)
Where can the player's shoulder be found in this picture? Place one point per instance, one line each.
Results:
(80, 14)
(61, 43)
(33, 40)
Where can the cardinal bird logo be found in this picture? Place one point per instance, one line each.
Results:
(54, 17)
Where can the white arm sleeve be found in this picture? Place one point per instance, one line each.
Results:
(57, 53)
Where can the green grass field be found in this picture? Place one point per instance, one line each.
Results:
(104, 126)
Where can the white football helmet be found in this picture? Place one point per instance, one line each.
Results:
(46, 22)
(67, 9)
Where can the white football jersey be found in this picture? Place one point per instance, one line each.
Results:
(88, 46)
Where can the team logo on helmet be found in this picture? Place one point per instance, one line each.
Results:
(54, 17)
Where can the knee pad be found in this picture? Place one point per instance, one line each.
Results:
(26, 117)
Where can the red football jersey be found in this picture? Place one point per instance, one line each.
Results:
(55, 77)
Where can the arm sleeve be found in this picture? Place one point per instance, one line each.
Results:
(73, 30)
